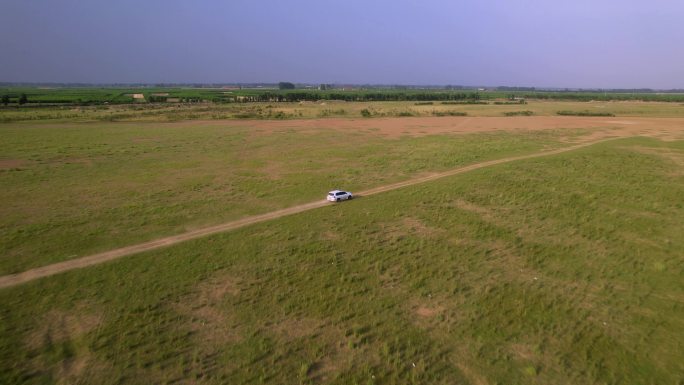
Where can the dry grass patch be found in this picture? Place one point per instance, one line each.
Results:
(391, 279)
(323, 370)
(273, 170)
(420, 228)
(335, 354)
(674, 157)
(60, 329)
(9, 164)
(410, 227)
(80, 369)
(429, 312)
(294, 328)
(337, 360)
(212, 324)
(473, 208)
(475, 377)
(330, 235)
(59, 326)
(524, 351)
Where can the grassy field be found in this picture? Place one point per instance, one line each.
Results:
(79, 188)
(559, 270)
(325, 109)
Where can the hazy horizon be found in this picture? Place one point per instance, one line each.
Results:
(528, 43)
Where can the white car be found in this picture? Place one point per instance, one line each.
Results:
(339, 195)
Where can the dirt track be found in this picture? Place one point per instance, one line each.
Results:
(46, 271)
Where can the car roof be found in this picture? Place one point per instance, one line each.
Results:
(335, 191)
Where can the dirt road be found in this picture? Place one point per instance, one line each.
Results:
(46, 271)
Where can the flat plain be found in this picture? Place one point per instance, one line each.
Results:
(562, 269)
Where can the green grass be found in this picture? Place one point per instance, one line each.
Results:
(70, 190)
(562, 270)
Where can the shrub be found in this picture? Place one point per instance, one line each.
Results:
(584, 113)
(519, 113)
(330, 112)
(365, 113)
(521, 101)
(466, 102)
(449, 113)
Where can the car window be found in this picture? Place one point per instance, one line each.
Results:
(331, 194)
(340, 193)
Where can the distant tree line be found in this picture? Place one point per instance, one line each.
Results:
(602, 96)
(298, 96)
(156, 99)
(22, 99)
(97, 96)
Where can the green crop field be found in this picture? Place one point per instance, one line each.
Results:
(563, 269)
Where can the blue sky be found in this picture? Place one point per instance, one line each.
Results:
(579, 43)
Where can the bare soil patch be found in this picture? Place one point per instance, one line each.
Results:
(8, 164)
(294, 328)
(330, 236)
(429, 312)
(523, 351)
(663, 128)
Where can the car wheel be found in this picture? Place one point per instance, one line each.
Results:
(337, 199)
(351, 197)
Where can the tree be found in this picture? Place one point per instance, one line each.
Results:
(286, 86)
(23, 99)
(5, 99)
